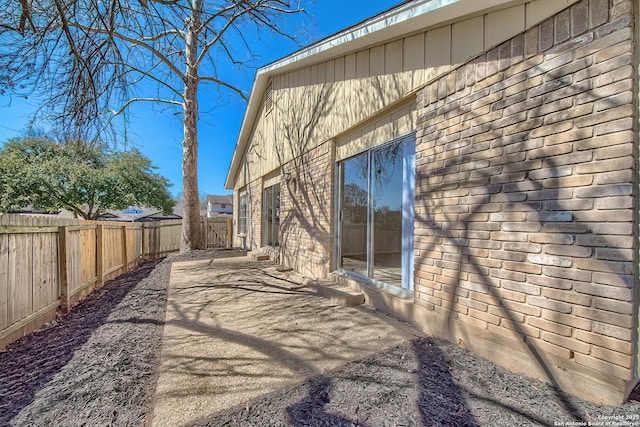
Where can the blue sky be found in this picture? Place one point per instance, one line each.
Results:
(158, 133)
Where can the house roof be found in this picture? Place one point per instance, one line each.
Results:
(220, 200)
(136, 213)
(404, 18)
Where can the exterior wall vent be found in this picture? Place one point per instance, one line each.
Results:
(268, 99)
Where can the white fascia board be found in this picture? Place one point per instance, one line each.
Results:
(408, 17)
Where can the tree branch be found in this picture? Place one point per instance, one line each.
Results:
(227, 85)
(134, 42)
(134, 100)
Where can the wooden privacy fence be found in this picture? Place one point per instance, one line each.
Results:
(217, 232)
(48, 264)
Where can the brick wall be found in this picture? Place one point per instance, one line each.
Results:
(306, 210)
(237, 241)
(254, 215)
(525, 201)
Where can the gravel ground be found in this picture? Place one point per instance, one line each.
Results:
(95, 367)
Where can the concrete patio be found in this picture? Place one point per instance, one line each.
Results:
(237, 329)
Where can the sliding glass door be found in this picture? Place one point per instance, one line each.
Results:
(355, 214)
(376, 205)
(271, 216)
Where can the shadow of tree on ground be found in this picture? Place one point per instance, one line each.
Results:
(32, 362)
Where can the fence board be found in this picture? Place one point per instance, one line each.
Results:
(12, 282)
(77, 260)
(51, 261)
(4, 281)
(63, 268)
(48, 263)
(88, 254)
(216, 231)
(37, 272)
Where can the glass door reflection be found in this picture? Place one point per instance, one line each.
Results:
(386, 180)
(355, 203)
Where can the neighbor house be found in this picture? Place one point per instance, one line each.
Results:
(219, 206)
(470, 166)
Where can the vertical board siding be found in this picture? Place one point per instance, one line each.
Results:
(30, 282)
(310, 103)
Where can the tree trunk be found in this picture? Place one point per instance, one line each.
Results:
(191, 232)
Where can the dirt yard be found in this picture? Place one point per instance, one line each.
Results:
(95, 367)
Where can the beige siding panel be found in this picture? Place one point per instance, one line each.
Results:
(321, 76)
(350, 67)
(298, 78)
(376, 61)
(539, 10)
(339, 69)
(413, 62)
(393, 57)
(502, 25)
(414, 53)
(376, 132)
(330, 70)
(349, 88)
(257, 153)
(467, 39)
(316, 103)
(361, 88)
(272, 178)
(308, 79)
(277, 86)
(438, 47)
(362, 64)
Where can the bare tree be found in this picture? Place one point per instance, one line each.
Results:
(90, 60)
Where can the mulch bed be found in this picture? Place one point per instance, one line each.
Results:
(96, 367)
(427, 382)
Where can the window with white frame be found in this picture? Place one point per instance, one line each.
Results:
(242, 213)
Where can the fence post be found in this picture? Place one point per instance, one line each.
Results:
(125, 256)
(63, 267)
(229, 232)
(99, 255)
(206, 232)
(139, 256)
(142, 245)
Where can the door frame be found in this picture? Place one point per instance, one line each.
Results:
(407, 259)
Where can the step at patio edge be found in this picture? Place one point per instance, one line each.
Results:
(264, 255)
(328, 288)
(336, 293)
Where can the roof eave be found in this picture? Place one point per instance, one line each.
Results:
(405, 18)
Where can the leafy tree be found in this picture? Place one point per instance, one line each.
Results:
(86, 180)
(92, 59)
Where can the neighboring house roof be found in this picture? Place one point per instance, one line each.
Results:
(109, 215)
(31, 211)
(220, 215)
(136, 214)
(220, 200)
(158, 216)
(404, 18)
